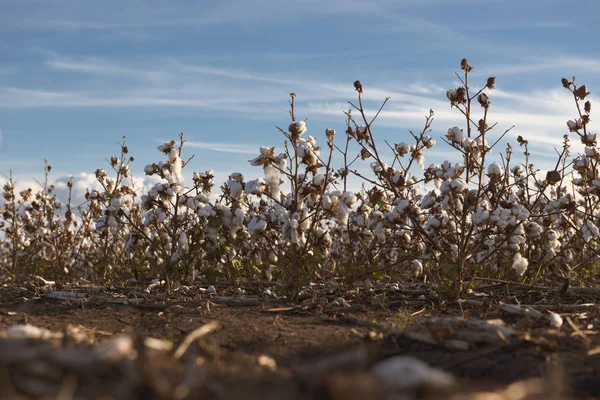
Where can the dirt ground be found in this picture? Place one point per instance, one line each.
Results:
(270, 349)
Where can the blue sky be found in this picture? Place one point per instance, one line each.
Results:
(77, 75)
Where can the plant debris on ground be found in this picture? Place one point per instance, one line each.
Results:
(385, 342)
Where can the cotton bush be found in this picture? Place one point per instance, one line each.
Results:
(474, 214)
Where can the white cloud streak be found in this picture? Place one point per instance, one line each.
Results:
(224, 147)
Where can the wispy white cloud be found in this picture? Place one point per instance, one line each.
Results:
(224, 147)
(539, 115)
(565, 64)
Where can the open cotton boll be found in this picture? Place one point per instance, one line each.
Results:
(343, 212)
(235, 189)
(255, 186)
(494, 170)
(455, 134)
(520, 264)
(417, 267)
(318, 180)
(256, 225)
(458, 185)
(272, 180)
(555, 320)
(405, 372)
(297, 128)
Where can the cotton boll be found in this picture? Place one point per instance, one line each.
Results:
(481, 216)
(343, 213)
(446, 187)
(428, 201)
(183, 242)
(417, 267)
(235, 189)
(455, 134)
(327, 202)
(494, 170)
(297, 128)
(458, 185)
(405, 372)
(294, 231)
(420, 159)
(555, 320)
(403, 148)
(255, 186)
(520, 264)
(318, 180)
(272, 180)
(256, 226)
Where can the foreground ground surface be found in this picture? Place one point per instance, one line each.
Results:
(261, 347)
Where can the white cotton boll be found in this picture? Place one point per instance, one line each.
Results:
(302, 151)
(555, 320)
(446, 187)
(282, 164)
(405, 373)
(183, 242)
(572, 125)
(458, 185)
(235, 189)
(380, 232)
(428, 201)
(534, 229)
(591, 152)
(293, 227)
(417, 267)
(420, 159)
(481, 216)
(348, 198)
(403, 148)
(455, 134)
(343, 212)
(494, 170)
(432, 222)
(402, 206)
(327, 202)
(256, 225)
(272, 180)
(318, 180)
(297, 128)
(265, 151)
(255, 186)
(520, 264)
(517, 170)
(149, 169)
(516, 239)
(593, 228)
(205, 210)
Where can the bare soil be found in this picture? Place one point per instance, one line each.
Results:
(277, 350)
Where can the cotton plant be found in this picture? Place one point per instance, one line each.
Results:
(39, 231)
(477, 213)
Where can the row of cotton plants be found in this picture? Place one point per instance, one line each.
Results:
(472, 215)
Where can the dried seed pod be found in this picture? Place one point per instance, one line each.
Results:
(581, 92)
(553, 177)
(464, 65)
(358, 86)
